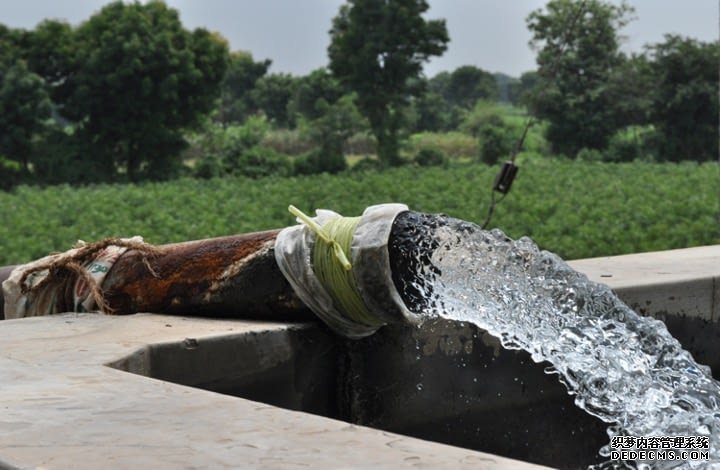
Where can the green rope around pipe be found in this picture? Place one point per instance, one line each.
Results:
(330, 259)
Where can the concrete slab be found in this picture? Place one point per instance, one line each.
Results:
(683, 282)
(679, 287)
(63, 408)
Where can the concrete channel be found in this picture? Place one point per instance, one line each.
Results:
(145, 390)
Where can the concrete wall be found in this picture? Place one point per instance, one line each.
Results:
(680, 287)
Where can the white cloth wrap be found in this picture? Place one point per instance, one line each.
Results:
(371, 268)
(32, 304)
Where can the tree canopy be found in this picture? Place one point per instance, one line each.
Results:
(684, 103)
(377, 50)
(313, 93)
(122, 87)
(578, 50)
(119, 96)
(139, 78)
(240, 80)
(467, 84)
(272, 95)
(24, 107)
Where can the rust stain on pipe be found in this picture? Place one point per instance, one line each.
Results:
(234, 276)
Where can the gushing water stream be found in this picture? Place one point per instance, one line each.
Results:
(621, 367)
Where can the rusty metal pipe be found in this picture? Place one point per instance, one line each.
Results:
(235, 276)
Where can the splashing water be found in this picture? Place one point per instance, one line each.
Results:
(621, 367)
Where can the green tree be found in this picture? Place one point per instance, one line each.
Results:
(319, 86)
(578, 50)
(8, 44)
(138, 80)
(684, 107)
(243, 72)
(631, 88)
(36, 65)
(377, 50)
(468, 84)
(519, 91)
(334, 124)
(433, 113)
(504, 82)
(272, 95)
(496, 141)
(48, 51)
(242, 153)
(439, 83)
(24, 110)
(485, 113)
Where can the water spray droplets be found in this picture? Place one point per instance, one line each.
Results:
(621, 367)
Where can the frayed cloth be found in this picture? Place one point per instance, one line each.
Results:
(68, 281)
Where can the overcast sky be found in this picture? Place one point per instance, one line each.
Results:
(490, 34)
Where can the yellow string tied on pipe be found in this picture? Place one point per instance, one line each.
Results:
(331, 263)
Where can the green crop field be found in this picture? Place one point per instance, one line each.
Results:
(572, 208)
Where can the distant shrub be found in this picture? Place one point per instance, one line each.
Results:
(249, 134)
(367, 164)
(627, 145)
(622, 150)
(590, 155)
(634, 143)
(320, 161)
(484, 114)
(288, 141)
(452, 144)
(208, 167)
(431, 157)
(360, 143)
(305, 164)
(496, 142)
(236, 150)
(258, 162)
(10, 172)
(224, 141)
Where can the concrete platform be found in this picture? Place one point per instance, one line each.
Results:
(61, 407)
(68, 401)
(679, 287)
(680, 282)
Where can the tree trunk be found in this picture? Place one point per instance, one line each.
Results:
(387, 146)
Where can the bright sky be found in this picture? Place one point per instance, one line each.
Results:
(490, 34)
